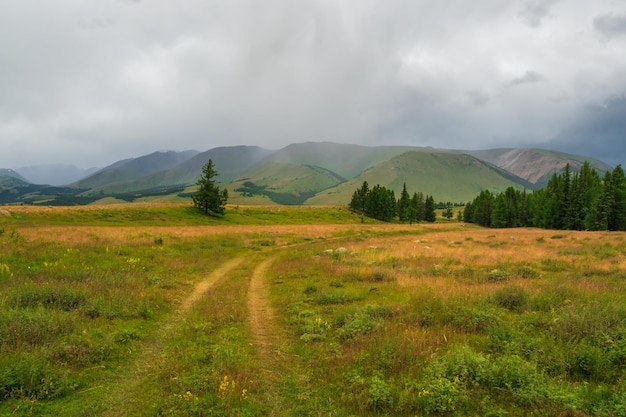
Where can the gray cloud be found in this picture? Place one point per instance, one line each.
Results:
(610, 25)
(533, 12)
(92, 82)
(529, 77)
(599, 131)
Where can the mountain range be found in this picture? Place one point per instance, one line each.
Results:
(322, 173)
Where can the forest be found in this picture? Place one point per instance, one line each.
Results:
(571, 201)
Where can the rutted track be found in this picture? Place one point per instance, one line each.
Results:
(152, 350)
(264, 333)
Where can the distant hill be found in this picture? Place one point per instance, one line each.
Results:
(345, 159)
(15, 190)
(9, 173)
(133, 169)
(54, 174)
(282, 183)
(536, 165)
(230, 161)
(446, 176)
(305, 173)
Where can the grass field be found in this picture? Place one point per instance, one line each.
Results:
(151, 310)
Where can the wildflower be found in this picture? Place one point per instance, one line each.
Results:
(244, 392)
(224, 385)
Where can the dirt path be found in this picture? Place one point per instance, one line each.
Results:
(264, 333)
(204, 285)
(151, 355)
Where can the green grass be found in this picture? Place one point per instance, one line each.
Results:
(177, 215)
(92, 324)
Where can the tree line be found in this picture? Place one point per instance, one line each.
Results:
(571, 201)
(380, 203)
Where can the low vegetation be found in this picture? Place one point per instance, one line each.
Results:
(145, 310)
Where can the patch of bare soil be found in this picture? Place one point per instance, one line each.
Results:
(262, 320)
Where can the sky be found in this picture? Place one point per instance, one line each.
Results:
(90, 82)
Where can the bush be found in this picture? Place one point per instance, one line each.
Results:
(527, 272)
(35, 379)
(442, 396)
(497, 275)
(379, 395)
(514, 299)
(54, 298)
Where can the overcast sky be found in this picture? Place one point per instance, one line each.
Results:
(89, 82)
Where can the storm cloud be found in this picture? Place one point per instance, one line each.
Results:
(89, 83)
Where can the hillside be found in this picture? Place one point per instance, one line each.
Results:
(9, 173)
(312, 173)
(446, 176)
(230, 162)
(536, 165)
(15, 190)
(344, 159)
(282, 183)
(133, 169)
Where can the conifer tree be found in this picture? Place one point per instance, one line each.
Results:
(618, 217)
(403, 205)
(209, 198)
(429, 209)
(359, 198)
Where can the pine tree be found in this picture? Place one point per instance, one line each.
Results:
(429, 209)
(209, 198)
(618, 218)
(605, 204)
(482, 208)
(553, 209)
(403, 205)
(468, 213)
(414, 209)
(499, 212)
(359, 198)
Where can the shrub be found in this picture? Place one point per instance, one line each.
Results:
(363, 321)
(514, 299)
(549, 299)
(378, 395)
(54, 298)
(28, 377)
(497, 275)
(472, 320)
(442, 396)
(512, 374)
(331, 298)
(527, 272)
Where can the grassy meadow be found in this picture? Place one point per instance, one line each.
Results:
(152, 310)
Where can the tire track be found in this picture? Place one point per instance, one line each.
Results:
(262, 318)
(152, 351)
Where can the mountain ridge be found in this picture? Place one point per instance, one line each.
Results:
(317, 172)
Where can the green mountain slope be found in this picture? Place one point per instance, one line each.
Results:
(344, 159)
(133, 169)
(281, 183)
(446, 176)
(14, 190)
(230, 162)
